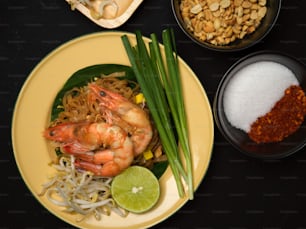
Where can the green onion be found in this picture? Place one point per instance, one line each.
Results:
(159, 79)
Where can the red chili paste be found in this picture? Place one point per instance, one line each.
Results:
(283, 120)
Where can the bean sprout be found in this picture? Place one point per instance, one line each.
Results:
(80, 191)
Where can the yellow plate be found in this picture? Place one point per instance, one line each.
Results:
(32, 112)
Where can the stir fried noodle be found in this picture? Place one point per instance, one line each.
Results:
(77, 108)
(81, 191)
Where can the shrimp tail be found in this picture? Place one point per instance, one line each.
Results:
(97, 157)
(75, 149)
(108, 169)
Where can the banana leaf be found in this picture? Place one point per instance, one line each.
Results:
(83, 77)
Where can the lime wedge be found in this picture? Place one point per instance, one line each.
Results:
(136, 189)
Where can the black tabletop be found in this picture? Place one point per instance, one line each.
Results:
(237, 191)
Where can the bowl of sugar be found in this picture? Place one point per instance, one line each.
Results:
(260, 105)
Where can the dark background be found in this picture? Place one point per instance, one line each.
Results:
(237, 192)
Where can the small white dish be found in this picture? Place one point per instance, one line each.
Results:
(125, 10)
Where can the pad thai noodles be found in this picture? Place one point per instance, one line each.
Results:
(103, 128)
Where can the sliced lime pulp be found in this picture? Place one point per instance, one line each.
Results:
(136, 189)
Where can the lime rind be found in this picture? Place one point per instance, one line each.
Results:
(136, 189)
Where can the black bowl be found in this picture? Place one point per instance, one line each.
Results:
(273, 9)
(238, 138)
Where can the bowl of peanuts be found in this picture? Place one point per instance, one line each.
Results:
(226, 25)
(260, 105)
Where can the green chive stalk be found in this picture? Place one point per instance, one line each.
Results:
(161, 84)
(170, 74)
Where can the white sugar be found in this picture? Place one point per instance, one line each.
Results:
(254, 90)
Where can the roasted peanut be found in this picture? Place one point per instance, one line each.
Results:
(246, 4)
(254, 15)
(208, 27)
(221, 22)
(225, 3)
(262, 2)
(196, 9)
(262, 12)
(217, 24)
(214, 6)
(238, 2)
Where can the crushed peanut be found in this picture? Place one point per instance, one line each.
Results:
(221, 22)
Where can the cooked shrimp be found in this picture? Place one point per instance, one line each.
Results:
(139, 126)
(83, 139)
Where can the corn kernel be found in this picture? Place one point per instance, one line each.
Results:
(94, 197)
(147, 154)
(139, 98)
